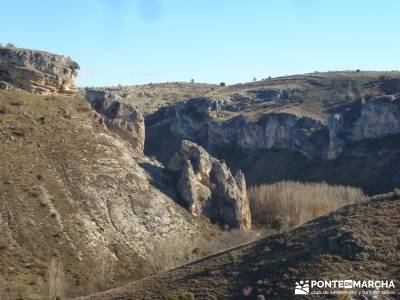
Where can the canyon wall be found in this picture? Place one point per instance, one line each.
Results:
(312, 136)
(363, 119)
(191, 119)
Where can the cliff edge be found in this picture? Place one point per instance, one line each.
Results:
(36, 71)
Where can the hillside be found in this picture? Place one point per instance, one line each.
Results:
(306, 93)
(357, 242)
(150, 97)
(75, 192)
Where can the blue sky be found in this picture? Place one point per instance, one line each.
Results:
(142, 41)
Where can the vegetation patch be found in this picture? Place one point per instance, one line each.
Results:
(289, 204)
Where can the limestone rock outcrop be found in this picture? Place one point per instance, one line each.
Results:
(123, 118)
(366, 118)
(208, 187)
(37, 71)
(281, 130)
(315, 138)
(192, 120)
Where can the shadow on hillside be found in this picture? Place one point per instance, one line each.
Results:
(161, 179)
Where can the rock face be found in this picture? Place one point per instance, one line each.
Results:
(209, 189)
(192, 120)
(273, 130)
(37, 71)
(310, 135)
(363, 119)
(119, 116)
(390, 86)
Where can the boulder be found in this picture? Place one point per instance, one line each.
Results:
(5, 86)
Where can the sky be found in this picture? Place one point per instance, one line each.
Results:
(142, 41)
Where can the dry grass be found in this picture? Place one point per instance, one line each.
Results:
(289, 204)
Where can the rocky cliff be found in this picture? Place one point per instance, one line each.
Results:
(206, 185)
(121, 117)
(308, 134)
(37, 71)
(209, 189)
(192, 119)
(363, 119)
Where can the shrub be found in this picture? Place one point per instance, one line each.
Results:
(83, 107)
(279, 224)
(227, 239)
(181, 295)
(396, 192)
(10, 45)
(234, 256)
(3, 244)
(75, 66)
(289, 204)
(222, 84)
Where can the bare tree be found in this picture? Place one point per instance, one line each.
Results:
(170, 253)
(103, 272)
(55, 279)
